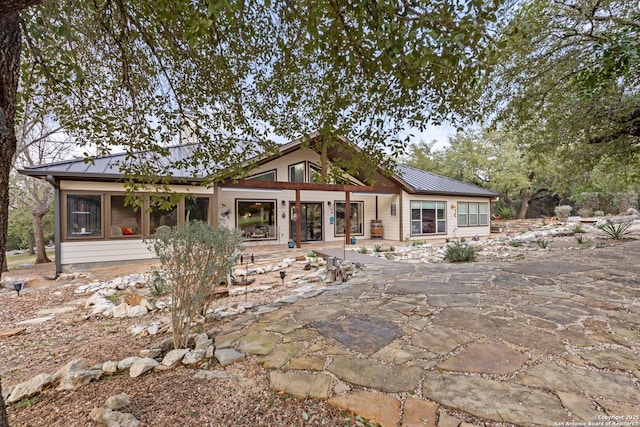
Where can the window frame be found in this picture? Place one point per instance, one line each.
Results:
(304, 171)
(257, 176)
(105, 214)
(275, 218)
(336, 219)
(64, 232)
(465, 215)
(439, 224)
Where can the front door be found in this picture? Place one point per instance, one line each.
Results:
(310, 221)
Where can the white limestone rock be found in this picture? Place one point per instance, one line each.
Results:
(193, 357)
(174, 357)
(141, 366)
(28, 388)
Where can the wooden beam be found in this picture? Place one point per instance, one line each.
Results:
(347, 218)
(313, 186)
(298, 220)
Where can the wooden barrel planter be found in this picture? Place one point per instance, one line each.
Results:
(377, 231)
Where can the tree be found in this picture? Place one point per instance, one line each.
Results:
(496, 160)
(570, 71)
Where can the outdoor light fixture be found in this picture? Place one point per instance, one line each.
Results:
(282, 274)
(284, 203)
(329, 203)
(17, 286)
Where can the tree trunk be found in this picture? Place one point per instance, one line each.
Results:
(525, 198)
(9, 74)
(10, 40)
(31, 244)
(41, 251)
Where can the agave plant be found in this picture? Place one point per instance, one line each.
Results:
(616, 230)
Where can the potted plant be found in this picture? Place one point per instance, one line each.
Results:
(353, 240)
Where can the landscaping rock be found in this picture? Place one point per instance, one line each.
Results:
(141, 366)
(29, 388)
(174, 357)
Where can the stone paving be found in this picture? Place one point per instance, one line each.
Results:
(544, 342)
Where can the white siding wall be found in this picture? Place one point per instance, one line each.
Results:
(104, 251)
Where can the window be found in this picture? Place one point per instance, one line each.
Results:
(264, 176)
(428, 218)
(256, 219)
(315, 173)
(84, 215)
(296, 172)
(356, 218)
(196, 208)
(471, 214)
(162, 217)
(125, 218)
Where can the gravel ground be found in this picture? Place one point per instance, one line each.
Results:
(160, 399)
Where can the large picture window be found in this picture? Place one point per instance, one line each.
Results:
(84, 215)
(126, 220)
(256, 219)
(356, 219)
(428, 218)
(472, 214)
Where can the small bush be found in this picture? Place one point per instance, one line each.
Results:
(392, 248)
(417, 243)
(312, 255)
(578, 229)
(585, 212)
(563, 211)
(542, 243)
(515, 243)
(504, 212)
(598, 213)
(581, 239)
(459, 252)
(377, 248)
(616, 230)
(389, 255)
(159, 285)
(194, 258)
(362, 250)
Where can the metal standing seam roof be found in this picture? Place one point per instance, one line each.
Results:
(108, 167)
(414, 180)
(423, 182)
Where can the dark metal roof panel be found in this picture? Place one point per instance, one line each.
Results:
(429, 183)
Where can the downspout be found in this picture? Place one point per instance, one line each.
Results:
(56, 212)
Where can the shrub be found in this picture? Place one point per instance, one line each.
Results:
(504, 212)
(194, 258)
(459, 252)
(563, 211)
(581, 239)
(312, 254)
(362, 250)
(417, 243)
(598, 213)
(377, 248)
(392, 248)
(616, 230)
(585, 212)
(159, 285)
(624, 201)
(578, 229)
(515, 243)
(542, 243)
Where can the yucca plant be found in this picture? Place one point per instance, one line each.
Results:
(542, 243)
(459, 252)
(377, 248)
(616, 230)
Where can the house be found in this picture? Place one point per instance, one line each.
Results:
(281, 200)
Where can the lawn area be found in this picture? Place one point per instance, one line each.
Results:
(25, 260)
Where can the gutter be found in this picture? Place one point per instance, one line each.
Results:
(57, 227)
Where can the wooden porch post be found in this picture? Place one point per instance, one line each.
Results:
(347, 217)
(298, 221)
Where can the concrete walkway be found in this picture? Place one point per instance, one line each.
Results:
(352, 256)
(552, 342)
